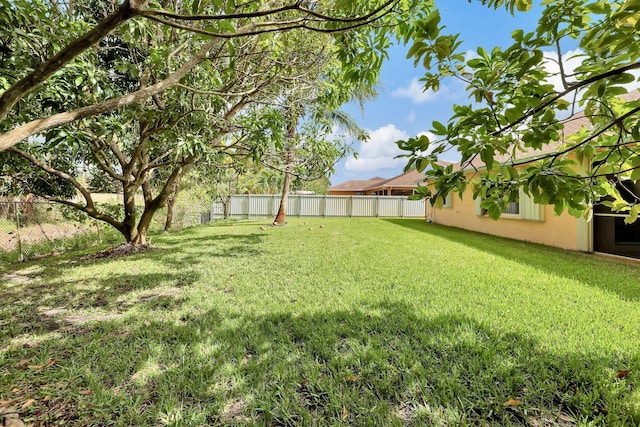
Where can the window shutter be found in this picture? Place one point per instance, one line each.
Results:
(530, 210)
(447, 201)
(479, 210)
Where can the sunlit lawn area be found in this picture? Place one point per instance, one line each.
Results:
(323, 322)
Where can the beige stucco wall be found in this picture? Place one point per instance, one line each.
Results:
(560, 231)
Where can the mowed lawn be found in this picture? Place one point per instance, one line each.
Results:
(322, 322)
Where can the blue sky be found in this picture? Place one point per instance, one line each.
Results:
(403, 109)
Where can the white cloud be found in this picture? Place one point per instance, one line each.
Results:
(415, 91)
(570, 61)
(412, 116)
(470, 54)
(379, 151)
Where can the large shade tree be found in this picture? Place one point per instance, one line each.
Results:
(518, 110)
(181, 81)
(148, 147)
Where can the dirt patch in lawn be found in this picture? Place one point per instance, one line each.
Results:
(124, 249)
(15, 278)
(234, 411)
(75, 319)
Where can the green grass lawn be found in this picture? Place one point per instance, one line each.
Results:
(323, 322)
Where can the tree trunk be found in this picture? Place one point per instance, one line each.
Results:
(129, 221)
(226, 207)
(284, 200)
(171, 201)
(170, 189)
(143, 226)
(169, 221)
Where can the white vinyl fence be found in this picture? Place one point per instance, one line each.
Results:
(266, 205)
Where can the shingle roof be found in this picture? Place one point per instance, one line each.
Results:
(406, 180)
(357, 185)
(409, 179)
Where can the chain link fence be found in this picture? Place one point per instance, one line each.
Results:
(30, 229)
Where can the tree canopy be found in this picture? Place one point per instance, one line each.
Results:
(571, 145)
(138, 93)
(63, 41)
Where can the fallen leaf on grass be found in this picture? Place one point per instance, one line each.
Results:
(86, 392)
(512, 403)
(39, 368)
(27, 403)
(621, 374)
(351, 378)
(10, 418)
(22, 365)
(345, 413)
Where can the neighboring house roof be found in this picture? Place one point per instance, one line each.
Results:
(358, 185)
(407, 180)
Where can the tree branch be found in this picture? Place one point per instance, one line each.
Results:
(244, 15)
(53, 171)
(19, 89)
(554, 154)
(23, 132)
(573, 87)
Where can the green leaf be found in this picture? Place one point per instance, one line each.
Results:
(195, 7)
(439, 128)
(558, 207)
(524, 5)
(633, 215)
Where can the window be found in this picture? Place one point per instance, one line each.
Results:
(512, 208)
(524, 207)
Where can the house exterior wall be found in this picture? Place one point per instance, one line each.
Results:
(559, 231)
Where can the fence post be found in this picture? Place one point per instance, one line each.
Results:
(323, 206)
(17, 215)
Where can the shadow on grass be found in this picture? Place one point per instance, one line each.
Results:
(240, 244)
(380, 365)
(32, 308)
(620, 278)
(191, 250)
